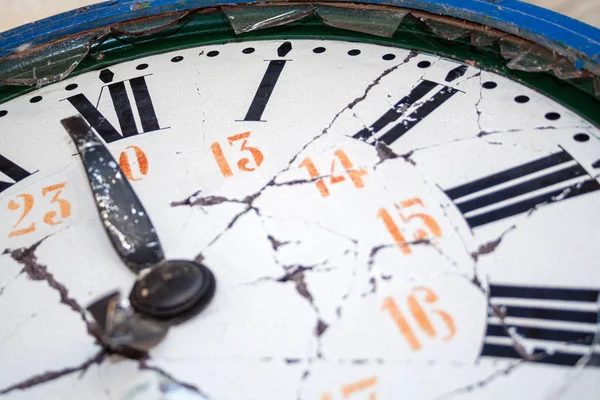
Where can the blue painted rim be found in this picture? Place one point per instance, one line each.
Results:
(576, 40)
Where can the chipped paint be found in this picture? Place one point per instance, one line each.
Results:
(28, 65)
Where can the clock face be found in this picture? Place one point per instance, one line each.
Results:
(382, 223)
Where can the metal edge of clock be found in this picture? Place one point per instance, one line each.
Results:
(574, 39)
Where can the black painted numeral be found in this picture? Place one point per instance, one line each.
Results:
(123, 109)
(398, 112)
(480, 201)
(13, 171)
(267, 84)
(559, 324)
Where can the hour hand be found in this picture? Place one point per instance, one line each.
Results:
(167, 290)
(123, 215)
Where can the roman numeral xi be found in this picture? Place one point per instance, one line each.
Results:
(412, 101)
(517, 190)
(122, 106)
(557, 324)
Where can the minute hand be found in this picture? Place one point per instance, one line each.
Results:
(128, 225)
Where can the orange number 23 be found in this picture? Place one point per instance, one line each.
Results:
(25, 202)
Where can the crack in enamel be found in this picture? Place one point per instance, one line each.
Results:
(276, 244)
(295, 274)
(143, 365)
(477, 110)
(483, 382)
(559, 197)
(17, 328)
(583, 362)
(214, 200)
(486, 248)
(376, 81)
(45, 377)
(491, 245)
(38, 272)
(385, 153)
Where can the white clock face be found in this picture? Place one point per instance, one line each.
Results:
(381, 223)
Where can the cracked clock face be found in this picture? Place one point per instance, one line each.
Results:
(382, 223)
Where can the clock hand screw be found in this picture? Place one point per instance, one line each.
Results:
(171, 291)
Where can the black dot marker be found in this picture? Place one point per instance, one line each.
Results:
(521, 99)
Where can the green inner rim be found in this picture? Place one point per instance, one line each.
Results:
(214, 28)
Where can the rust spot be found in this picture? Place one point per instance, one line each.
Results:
(140, 6)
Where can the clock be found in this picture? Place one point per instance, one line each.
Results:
(280, 200)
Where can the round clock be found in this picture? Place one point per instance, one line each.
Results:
(295, 200)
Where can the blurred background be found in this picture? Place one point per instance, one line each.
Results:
(587, 11)
(18, 12)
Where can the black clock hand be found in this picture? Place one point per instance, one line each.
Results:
(167, 290)
(123, 215)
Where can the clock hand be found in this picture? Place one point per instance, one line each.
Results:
(126, 332)
(123, 215)
(170, 290)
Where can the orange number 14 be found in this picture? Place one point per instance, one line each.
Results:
(355, 175)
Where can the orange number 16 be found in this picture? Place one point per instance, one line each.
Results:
(420, 316)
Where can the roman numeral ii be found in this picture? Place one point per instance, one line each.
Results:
(400, 109)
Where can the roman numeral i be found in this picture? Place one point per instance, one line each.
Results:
(122, 106)
(519, 189)
(267, 84)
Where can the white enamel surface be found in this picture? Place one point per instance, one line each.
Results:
(257, 339)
